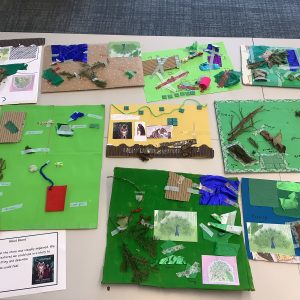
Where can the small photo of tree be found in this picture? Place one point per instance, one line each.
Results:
(4, 54)
(270, 238)
(175, 226)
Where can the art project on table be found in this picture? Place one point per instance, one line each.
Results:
(259, 135)
(194, 70)
(271, 66)
(272, 220)
(159, 131)
(80, 67)
(175, 230)
(20, 62)
(50, 164)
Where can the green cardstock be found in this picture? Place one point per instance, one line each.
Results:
(123, 202)
(74, 161)
(263, 193)
(192, 66)
(276, 118)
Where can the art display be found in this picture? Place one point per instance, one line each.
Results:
(175, 230)
(271, 66)
(194, 70)
(272, 220)
(165, 130)
(50, 156)
(20, 62)
(91, 66)
(259, 135)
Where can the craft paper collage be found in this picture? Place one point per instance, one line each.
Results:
(194, 70)
(159, 236)
(20, 62)
(159, 131)
(271, 220)
(91, 66)
(271, 66)
(259, 135)
(55, 168)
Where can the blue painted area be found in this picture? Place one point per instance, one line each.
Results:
(259, 214)
(293, 60)
(69, 52)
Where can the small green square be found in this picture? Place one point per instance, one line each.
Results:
(126, 107)
(175, 122)
(170, 96)
(181, 110)
(182, 93)
(170, 121)
(164, 97)
(161, 109)
(199, 107)
(141, 112)
(176, 95)
(192, 93)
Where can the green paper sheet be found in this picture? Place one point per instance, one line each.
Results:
(152, 183)
(275, 117)
(192, 66)
(263, 193)
(22, 204)
(226, 249)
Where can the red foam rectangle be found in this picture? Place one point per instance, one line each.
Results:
(56, 196)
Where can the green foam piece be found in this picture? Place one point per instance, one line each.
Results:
(81, 156)
(141, 112)
(11, 127)
(12, 69)
(161, 108)
(52, 77)
(126, 107)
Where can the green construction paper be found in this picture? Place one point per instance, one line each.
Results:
(263, 193)
(52, 77)
(192, 66)
(81, 156)
(12, 69)
(288, 186)
(290, 204)
(152, 182)
(276, 116)
(227, 249)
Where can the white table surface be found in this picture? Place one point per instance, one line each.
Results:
(86, 248)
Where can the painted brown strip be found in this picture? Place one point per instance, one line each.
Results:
(150, 65)
(23, 42)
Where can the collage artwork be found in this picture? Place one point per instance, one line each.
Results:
(168, 229)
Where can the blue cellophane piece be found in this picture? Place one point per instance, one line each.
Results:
(220, 191)
(69, 52)
(293, 61)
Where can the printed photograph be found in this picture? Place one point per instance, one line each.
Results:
(122, 130)
(22, 83)
(140, 132)
(42, 269)
(4, 54)
(219, 270)
(159, 132)
(175, 225)
(270, 238)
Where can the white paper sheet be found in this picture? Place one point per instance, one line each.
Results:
(32, 262)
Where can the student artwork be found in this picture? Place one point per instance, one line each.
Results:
(20, 62)
(159, 131)
(259, 135)
(157, 238)
(272, 220)
(60, 168)
(88, 67)
(271, 66)
(194, 70)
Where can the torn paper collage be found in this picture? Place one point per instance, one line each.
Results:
(184, 233)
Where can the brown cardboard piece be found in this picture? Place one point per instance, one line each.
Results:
(182, 183)
(113, 73)
(18, 119)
